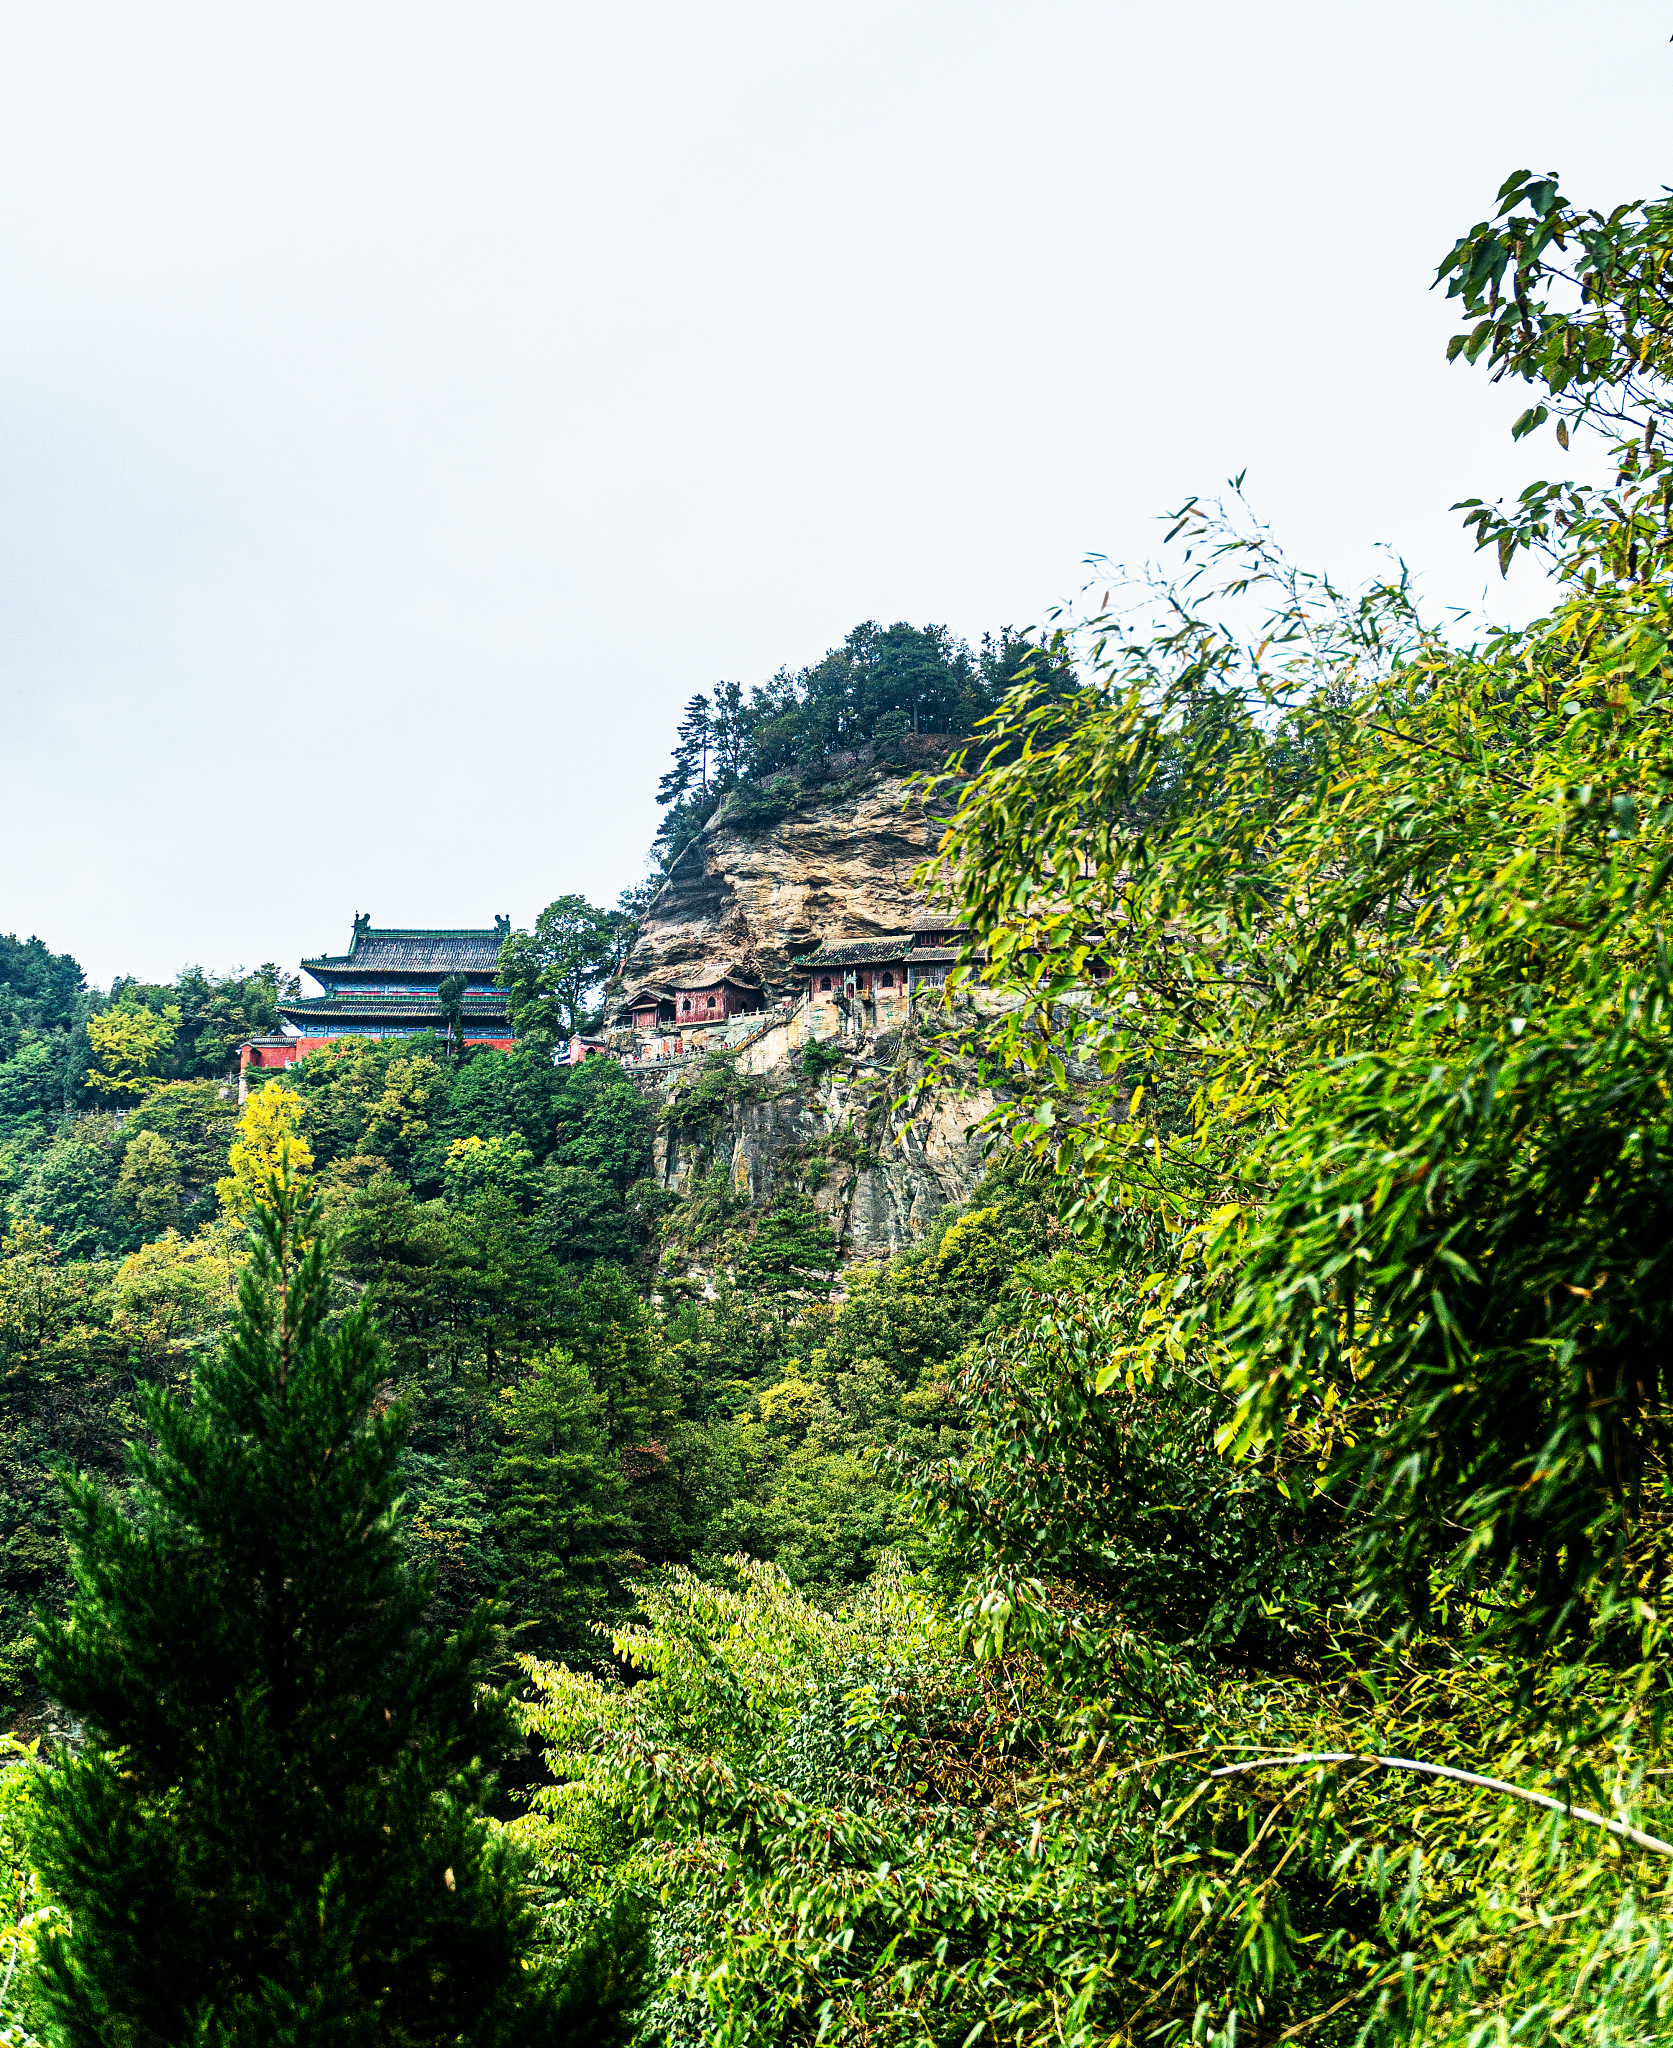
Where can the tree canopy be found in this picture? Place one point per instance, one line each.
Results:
(882, 684)
(555, 972)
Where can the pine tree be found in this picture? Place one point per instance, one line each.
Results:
(273, 1833)
(563, 1508)
(450, 1000)
(729, 724)
(792, 1252)
(691, 754)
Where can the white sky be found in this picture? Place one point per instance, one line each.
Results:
(405, 408)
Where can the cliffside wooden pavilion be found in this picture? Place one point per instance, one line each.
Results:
(709, 993)
(885, 968)
(891, 966)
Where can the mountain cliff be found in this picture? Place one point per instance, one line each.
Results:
(827, 1100)
(753, 888)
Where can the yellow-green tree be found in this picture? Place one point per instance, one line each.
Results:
(129, 1047)
(150, 1178)
(363, 1101)
(174, 1296)
(46, 1309)
(476, 1165)
(269, 1146)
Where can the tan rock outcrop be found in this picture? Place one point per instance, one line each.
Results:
(841, 864)
(879, 1151)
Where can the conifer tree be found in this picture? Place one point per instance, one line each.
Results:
(793, 1251)
(450, 1000)
(563, 1513)
(273, 1832)
(692, 741)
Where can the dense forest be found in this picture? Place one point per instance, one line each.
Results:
(497, 1210)
(1210, 1590)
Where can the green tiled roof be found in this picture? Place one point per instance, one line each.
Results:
(859, 953)
(923, 939)
(409, 950)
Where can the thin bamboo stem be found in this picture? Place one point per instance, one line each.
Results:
(1620, 1828)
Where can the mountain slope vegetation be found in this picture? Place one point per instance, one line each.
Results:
(1214, 1588)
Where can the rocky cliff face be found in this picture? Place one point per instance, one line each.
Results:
(828, 1099)
(854, 1128)
(839, 865)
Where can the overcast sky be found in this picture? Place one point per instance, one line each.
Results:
(404, 409)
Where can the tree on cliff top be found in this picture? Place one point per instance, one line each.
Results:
(882, 683)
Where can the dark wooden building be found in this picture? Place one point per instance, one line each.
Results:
(711, 992)
(885, 969)
(649, 1007)
(388, 983)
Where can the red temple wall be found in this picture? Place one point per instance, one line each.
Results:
(283, 1055)
(699, 1012)
(727, 1003)
(867, 981)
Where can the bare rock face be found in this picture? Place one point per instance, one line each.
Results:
(856, 1127)
(840, 865)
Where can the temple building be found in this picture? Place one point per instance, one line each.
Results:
(888, 969)
(876, 977)
(649, 1007)
(712, 992)
(388, 985)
